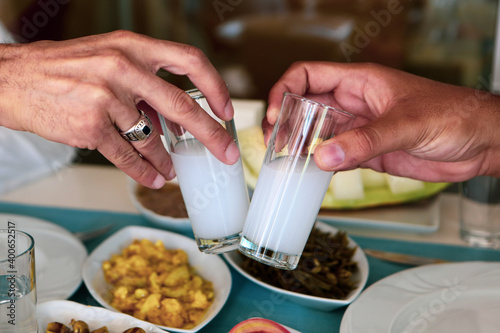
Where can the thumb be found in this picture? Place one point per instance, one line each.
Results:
(356, 146)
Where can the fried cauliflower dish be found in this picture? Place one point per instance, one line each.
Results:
(158, 285)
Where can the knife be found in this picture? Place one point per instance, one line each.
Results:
(405, 259)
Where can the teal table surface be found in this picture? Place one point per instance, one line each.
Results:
(248, 299)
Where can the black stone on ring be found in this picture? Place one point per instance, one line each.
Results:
(140, 131)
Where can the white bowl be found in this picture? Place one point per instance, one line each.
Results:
(315, 302)
(210, 267)
(167, 222)
(96, 317)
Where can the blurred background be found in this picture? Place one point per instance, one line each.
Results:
(252, 42)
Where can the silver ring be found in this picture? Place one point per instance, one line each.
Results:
(140, 131)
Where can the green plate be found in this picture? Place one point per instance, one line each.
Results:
(252, 149)
(374, 197)
(382, 196)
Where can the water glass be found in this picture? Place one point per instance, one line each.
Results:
(17, 282)
(480, 211)
(215, 193)
(290, 187)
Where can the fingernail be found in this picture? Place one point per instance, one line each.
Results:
(228, 110)
(232, 153)
(171, 174)
(331, 155)
(272, 114)
(159, 181)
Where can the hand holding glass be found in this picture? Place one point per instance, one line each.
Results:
(290, 187)
(215, 193)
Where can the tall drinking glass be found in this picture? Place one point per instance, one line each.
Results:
(17, 282)
(480, 211)
(215, 193)
(290, 187)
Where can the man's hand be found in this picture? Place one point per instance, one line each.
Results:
(406, 125)
(82, 92)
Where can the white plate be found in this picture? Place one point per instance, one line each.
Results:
(168, 222)
(96, 317)
(24, 222)
(415, 217)
(458, 297)
(210, 267)
(319, 303)
(59, 256)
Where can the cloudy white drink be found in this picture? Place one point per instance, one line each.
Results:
(215, 193)
(285, 205)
